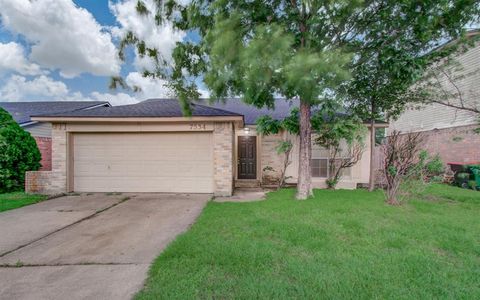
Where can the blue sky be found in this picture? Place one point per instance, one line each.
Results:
(66, 50)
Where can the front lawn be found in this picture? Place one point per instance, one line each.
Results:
(341, 244)
(18, 199)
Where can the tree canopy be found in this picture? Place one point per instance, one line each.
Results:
(18, 153)
(305, 49)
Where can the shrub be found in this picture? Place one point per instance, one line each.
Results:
(18, 153)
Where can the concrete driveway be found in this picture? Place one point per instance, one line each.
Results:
(94, 246)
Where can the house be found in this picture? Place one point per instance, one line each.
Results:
(449, 131)
(152, 147)
(42, 131)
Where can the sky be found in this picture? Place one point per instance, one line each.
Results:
(58, 50)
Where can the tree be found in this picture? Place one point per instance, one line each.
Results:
(342, 135)
(19, 153)
(401, 156)
(298, 49)
(394, 53)
(289, 127)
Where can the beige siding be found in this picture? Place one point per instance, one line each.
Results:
(42, 129)
(143, 162)
(436, 116)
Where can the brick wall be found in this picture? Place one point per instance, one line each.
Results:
(271, 158)
(45, 146)
(223, 159)
(456, 144)
(54, 181)
(459, 144)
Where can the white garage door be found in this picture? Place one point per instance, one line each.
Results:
(143, 162)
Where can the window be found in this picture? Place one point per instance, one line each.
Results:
(319, 167)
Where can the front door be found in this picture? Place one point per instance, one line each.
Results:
(247, 157)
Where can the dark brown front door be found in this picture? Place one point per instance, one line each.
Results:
(247, 157)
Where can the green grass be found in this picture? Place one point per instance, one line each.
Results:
(18, 199)
(341, 244)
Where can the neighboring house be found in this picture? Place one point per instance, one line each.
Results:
(42, 131)
(152, 147)
(450, 132)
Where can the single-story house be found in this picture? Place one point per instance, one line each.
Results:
(152, 147)
(42, 131)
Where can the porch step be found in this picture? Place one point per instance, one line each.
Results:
(247, 183)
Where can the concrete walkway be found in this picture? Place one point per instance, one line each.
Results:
(91, 246)
(244, 195)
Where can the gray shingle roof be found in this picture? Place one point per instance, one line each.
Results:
(22, 111)
(251, 113)
(149, 108)
(170, 108)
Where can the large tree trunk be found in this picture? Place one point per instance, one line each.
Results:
(304, 188)
(371, 180)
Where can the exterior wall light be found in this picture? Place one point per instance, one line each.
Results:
(246, 130)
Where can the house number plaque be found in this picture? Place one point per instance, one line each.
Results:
(198, 126)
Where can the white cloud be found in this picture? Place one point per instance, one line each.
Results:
(19, 88)
(63, 36)
(114, 99)
(43, 88)
(162, 37)
(149, 87)
(12, 58)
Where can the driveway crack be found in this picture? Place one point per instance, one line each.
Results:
(67, 226)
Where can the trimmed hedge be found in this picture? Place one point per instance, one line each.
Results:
(18, 153)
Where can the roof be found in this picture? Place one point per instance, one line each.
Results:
(22, 111)
(251, 113)
(165, 108)
(152, 108)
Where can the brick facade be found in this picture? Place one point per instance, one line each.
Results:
(456, 144)
(54, 181)
(44, 144)
(269, 158)
(223, 141)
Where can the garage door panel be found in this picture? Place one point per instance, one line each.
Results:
(143, 162)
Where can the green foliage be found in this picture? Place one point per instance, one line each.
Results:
(427, 167)
(396, 49)
(18, 153)
(284, 147)
(435, 166)
(332, 128)
(266, 125)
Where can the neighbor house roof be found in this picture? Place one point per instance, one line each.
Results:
(22, 111)
(152, 108)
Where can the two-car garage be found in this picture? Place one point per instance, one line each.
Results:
(174, 162)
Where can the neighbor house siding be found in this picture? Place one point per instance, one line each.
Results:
(42, 129)
(437, 116)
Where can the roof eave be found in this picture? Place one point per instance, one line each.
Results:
(60, 119)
